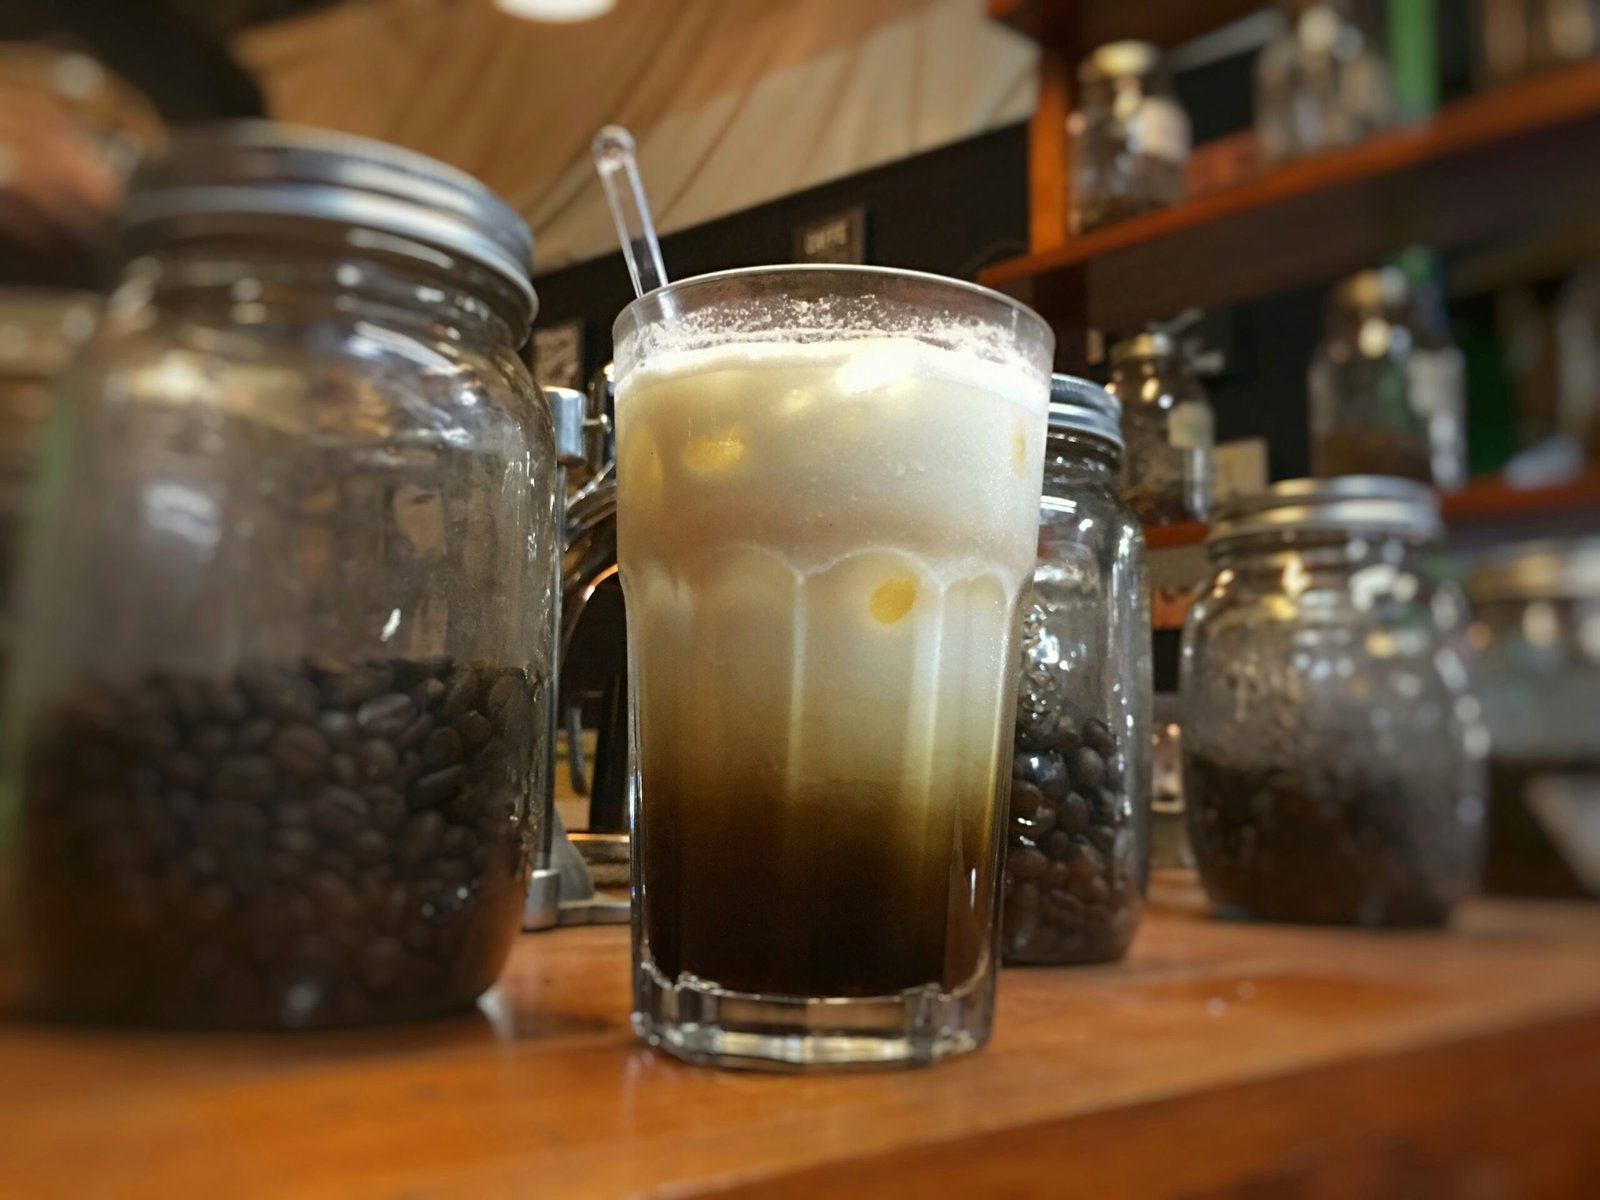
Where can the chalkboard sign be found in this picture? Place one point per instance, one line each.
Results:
(841, 238)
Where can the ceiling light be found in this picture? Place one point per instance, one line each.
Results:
(562, 11)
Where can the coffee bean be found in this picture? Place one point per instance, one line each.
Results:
(355, 685)
(300, 751)
(1087, 769)
(1034, 729)
(338, 726)
(414, 732)
(289, 697)
(1044, 771)
(335, 899)
(461, 693)
(184, 768)
(245, 775)
(474, 730)
(377, 759)
(1058, 846)
(1026, 862)
(420, 838)
(1103, 838)
(212, 740)
(442, 749)
(1061, 907)
(262, 818)
(1085, 863)
(338, 812)
(1073, 816)
(427, 694)
(1038, 823)
(1064, 739)
(458, 842)
(385, 715)
(369, 847)
(1056, 874)
(1097, 736)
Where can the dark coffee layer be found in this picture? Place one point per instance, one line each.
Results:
(325, 843)
(858, 891)
(1333, 843)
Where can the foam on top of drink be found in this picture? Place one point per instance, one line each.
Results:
(861, 364)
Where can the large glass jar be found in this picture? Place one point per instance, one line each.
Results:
(1319, 85)
(1129, 136)
(1332, 751)
(278, 713)
(1387, 385)
(1167, 429)
(1536, 631)
(1078, 846)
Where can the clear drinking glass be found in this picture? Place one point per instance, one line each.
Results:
(828, 495)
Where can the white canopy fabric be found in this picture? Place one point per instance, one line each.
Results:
(733, 102)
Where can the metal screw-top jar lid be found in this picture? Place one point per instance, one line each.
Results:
(1542, 570)
(1120, 60)
(1152, 344)
(211, 176)
(1078, 406)
(1355, 504)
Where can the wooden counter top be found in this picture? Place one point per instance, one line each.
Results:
(1218, 1058)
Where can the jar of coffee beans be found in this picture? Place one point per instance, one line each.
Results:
(1536, 670)
(277, 741)
(1078, 836)
(1332, 753)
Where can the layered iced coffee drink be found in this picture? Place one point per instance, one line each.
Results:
(828, 488)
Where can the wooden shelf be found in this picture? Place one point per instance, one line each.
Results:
(1481, 166)
(1090, 23)
(1217, 1056)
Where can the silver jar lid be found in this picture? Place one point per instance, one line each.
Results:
(213, 174)
(1542, 570)
(1354, 504)
(1128, 59)
(1151, 344)
(1079, 406)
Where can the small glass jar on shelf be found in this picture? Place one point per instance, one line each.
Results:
(1129, 137)
(1167, 430)
(1332, 751)
(1387, 385)
(1319, 85)
(1078, 846)
(1536, 633)
(277, 720)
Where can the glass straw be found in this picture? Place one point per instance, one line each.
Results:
(619, 176)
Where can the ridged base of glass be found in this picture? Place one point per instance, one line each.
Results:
(701, 1023)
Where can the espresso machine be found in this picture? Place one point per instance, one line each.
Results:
(591, 662)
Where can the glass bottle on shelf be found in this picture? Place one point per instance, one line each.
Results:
(1320, 84)
(1077, 849)
(275, 734)
(1519, 37)
(1129, 136)
(1387, 385)
(1167, 430)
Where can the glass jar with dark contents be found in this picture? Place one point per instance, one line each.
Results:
(1167, 428)
(278, 711)
(1129, 136)
(1332, 752)
(1077, 850)
(1536, 632)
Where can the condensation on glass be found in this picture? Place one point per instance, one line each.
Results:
(1332, 749)
(1079, 838)
(1536, 642)
(281, 695)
